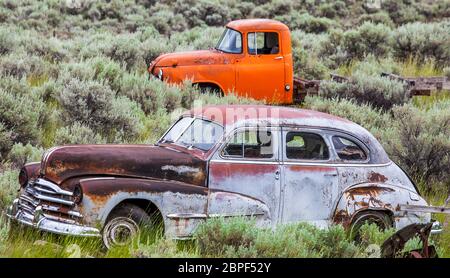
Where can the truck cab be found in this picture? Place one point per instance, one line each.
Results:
(253, 58)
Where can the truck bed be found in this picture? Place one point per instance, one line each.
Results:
(417, 86)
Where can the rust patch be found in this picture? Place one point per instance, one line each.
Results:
(377, 177)
(301, 168)
(139, 161)
(342, 217)
(100, 189)
(224, 171)
(372, 191)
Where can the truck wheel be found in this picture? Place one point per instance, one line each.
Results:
(381, 219)
(123, 224)
(210, 89)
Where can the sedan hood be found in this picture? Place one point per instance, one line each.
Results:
(188, 58)
(144, 161)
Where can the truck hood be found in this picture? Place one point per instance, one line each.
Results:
(188, 58)
(144, 161)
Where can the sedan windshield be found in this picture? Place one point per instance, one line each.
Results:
(192, 132)
(230, 42)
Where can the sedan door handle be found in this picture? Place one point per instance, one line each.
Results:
(278, 58)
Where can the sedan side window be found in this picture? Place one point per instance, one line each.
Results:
(348, 150)
(305, 145)
(250, 144)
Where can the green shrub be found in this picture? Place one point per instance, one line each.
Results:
(334, 9)
(401, 12)
(423, 40)
(420, 142)
(371, 234)
(377, 91)
(6, 141)
(9, 185)
(21, 154)
(308, 23)
(367, 39)
(377, 18)
(373, 119)
(22, 116)
(217, 235)
(239, 237)
(77, 134)
(7, 40)
(95, 105)
(126, 51)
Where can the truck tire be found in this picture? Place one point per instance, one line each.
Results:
(206, 88)
(123, 224)
(381, 219)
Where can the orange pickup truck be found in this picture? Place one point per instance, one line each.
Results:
(253, 58)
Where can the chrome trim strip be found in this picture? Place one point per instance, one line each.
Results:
(50, 199)
(186, 215)
(301, 163)
(53, 187)
(202, 215)
(244, 162)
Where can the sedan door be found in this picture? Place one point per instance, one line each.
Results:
(244, 176)
(310, 183)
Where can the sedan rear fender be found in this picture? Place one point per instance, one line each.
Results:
(102, 195)
(378, 196)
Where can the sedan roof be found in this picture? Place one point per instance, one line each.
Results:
(233, 116)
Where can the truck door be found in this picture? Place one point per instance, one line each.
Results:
(244, 176)
(260, 73)
(310, 183)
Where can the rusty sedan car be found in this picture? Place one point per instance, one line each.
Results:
(275, 164)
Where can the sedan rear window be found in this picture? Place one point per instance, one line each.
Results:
(346, 149)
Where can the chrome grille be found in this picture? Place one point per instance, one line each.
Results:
(55, 203)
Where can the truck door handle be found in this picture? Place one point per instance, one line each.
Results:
(277, 175)
(278, 58)
(330, 175)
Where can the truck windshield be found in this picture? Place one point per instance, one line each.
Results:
(230, 42)
(194, 132)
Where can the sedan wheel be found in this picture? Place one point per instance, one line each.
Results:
(119, 232)
(123, 224)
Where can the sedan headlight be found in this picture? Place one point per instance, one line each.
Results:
(77, 194)
(160, 74)
(23, 177)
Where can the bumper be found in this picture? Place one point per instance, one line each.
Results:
(39, 221)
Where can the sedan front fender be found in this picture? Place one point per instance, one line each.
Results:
(102, 195)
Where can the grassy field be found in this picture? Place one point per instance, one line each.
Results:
(66, 65)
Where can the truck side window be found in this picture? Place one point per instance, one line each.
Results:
(348, 150)
(250, 144)
(263, 43)
(305, 145)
